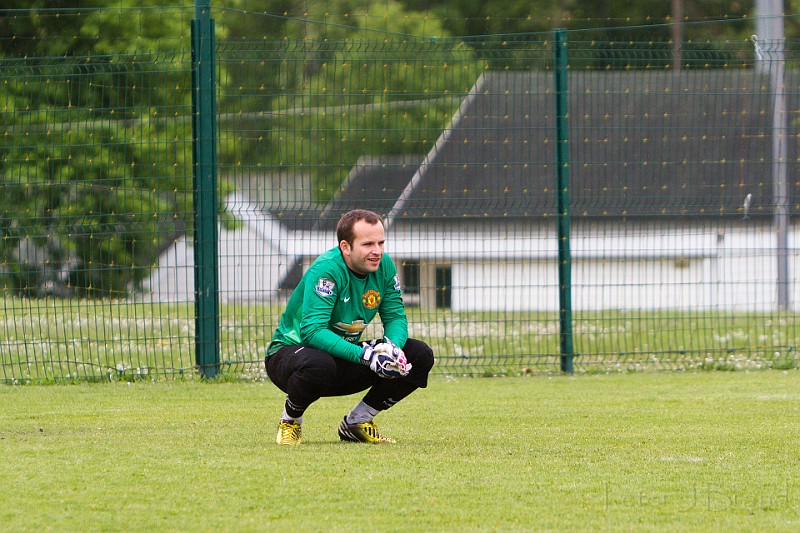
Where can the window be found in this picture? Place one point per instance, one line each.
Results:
(411, 277)
(444, 276)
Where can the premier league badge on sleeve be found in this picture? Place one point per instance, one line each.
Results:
(325, 287)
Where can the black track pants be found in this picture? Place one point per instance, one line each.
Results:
(307, 374)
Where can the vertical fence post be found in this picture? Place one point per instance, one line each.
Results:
(770, 30)
(562, 186)
(204, 153)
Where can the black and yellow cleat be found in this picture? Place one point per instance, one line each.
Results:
(289, 433)
(362, 432)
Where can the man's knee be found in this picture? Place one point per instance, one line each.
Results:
(420, 355)
(293, 366)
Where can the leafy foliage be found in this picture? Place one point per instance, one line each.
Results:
(96, 152)
(97, 187)
(383, 90)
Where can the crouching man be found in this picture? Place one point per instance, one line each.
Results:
(317, 350)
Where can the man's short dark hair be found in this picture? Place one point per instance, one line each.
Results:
(344, 228)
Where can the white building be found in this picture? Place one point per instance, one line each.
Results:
(660, 164)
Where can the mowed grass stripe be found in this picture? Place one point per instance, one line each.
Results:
(645, 451)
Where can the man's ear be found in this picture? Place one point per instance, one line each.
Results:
(344, 247)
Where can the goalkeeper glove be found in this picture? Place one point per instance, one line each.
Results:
(385, 359)
(399, 355)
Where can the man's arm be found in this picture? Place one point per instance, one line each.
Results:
(321, 293)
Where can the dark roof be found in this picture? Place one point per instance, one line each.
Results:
(373, 183)
(640, 143)
(297, 218)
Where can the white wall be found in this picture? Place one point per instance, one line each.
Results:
(497, 266)
(249, 269)
(509, 267)
(252, 260)
(735, 271)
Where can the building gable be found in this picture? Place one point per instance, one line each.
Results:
(686, 144)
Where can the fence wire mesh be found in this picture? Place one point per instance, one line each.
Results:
(683, 165)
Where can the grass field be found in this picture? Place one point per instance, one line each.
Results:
(694, 451)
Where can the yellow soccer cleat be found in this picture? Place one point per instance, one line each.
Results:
(362, 432)
(289, 433)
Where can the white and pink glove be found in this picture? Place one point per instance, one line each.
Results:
(385, 359)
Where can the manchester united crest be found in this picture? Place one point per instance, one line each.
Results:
(371, 299)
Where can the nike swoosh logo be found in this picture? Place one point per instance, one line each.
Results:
(345, 300)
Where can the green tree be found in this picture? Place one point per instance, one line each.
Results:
(95, 105)
(383, 89)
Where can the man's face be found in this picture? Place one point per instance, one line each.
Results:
(366, 252)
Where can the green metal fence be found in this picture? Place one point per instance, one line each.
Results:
(594, 200)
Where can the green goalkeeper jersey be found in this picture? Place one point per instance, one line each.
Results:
(332, 306)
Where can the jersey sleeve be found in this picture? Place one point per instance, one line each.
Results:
(321, 292)
(392, 309)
